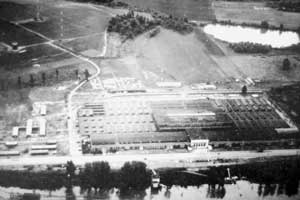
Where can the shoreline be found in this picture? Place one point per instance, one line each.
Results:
(195, 159)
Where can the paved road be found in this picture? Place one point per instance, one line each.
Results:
(171, 160)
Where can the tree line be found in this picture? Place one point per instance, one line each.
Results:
(110, 3)
(249, 47)
(41, 79)
(285, 5)
(94, 176)
(98, 176)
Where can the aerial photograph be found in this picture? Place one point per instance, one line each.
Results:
(149, 99)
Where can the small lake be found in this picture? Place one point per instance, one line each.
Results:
(236, 34)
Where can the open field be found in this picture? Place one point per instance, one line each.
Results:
(254, 12)
(199, 10)
(11, 33)
(265, 67)
(42, 53)
(20, 11)
(171, 56)
(70, 21)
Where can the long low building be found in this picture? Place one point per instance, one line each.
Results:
(44, 147)
(181, 115)
(155, 140)
(9, 153)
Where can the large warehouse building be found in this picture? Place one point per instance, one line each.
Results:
(166, 124)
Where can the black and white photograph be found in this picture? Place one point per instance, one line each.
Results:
(149, 99)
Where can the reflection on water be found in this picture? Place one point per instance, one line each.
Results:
(242, 189)
(235, 34)
(275, 180)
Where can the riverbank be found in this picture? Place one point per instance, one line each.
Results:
(278, 179)
(195, 159)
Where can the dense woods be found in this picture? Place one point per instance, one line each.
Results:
(130, 25)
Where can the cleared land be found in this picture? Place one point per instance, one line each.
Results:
(254, 12)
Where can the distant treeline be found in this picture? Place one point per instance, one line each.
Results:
(283, 5)
(130, 25)
(110, 3)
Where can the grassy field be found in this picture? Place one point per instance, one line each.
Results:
(33, 54)
(193, 9)
(11, 33)
(170, 56)
(254, 12)
(70, 21)
(20, 11)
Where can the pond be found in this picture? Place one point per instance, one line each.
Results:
(236, 34)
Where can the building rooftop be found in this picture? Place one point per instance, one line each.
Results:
(154, 137)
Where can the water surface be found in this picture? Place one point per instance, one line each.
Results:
(235, 34)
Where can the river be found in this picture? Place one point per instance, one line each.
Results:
(241, 190)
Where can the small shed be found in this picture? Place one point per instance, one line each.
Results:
(15, 131)
(29, 128)
(42, 127)
(43, 110)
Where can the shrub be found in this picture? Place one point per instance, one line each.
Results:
(286, 64)
(249, 47)
(264, 24)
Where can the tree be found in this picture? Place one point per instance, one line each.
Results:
(244, 90)
(86, 176)
(281, 27)
(44, 78)
(286, 64)
(264, 24)
(101, 171)
(87, 74)
(57, 74)
(134, 175)
(19, 82)
(70, 169)
(31, 80)
(76, 73)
